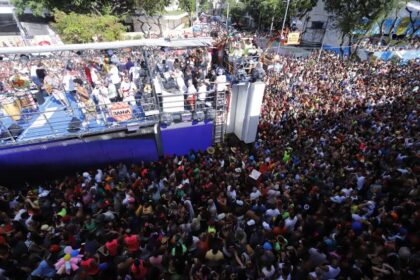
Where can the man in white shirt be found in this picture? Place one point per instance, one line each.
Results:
(68, 83)
(191, 91)
(202, 94)
(114, 75)
(220, 81)
(127, 91)
(135, 74)
(112, 92)
(101, 94)
(272, 212)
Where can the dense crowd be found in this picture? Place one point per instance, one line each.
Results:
(337, 197)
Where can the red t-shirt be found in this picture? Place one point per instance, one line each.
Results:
(90, 266)
(132, 243)
(139, 272)
(112, 247)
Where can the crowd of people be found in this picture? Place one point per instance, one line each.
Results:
(92, 81)
(192, 73)
(336, 197)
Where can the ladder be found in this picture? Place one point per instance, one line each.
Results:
(220, 118)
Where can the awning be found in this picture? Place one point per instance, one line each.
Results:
(176, 44)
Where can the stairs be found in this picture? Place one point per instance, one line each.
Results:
(220, 119)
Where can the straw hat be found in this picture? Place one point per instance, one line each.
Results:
(211, 150)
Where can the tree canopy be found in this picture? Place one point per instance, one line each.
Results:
(99, 7)
(352, 15)
(77, 28)
(263, 11)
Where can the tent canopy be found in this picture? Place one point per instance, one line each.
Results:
(176, 44)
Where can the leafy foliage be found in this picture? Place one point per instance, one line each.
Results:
(263, 11)
(187, 5)
(354, 15)
(77, 28)
(151, 7)
(108, 7)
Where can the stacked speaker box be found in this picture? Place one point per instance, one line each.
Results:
(166, 119)
(74, 125)
(15, 130)
(186, 116)
(198, 116)
(210, 114)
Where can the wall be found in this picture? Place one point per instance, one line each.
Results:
(180, 139)
(147, 24)
(59, 156)
(310, 35)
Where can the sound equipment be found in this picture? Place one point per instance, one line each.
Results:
(186, 116)
(15, 130)
(210, 114)
(166, 119)
(74, 125)
(177, 117)
(198, 116)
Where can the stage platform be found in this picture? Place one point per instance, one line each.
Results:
(51, 121)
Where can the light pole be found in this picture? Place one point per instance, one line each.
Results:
(272, 22)
(196, 9)
(323, 39)
(284, 23)
(227, 17)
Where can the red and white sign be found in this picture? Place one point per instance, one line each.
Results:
(120, 111)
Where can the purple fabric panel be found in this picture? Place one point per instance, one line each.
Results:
(73, 153)
(179, 139)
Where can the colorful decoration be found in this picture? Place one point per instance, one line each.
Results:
(19, 83)
(69, 262)
(120, 111)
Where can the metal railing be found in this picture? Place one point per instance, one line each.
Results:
(57, 123)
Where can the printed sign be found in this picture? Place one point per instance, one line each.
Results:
(293, 38)
(120, 111)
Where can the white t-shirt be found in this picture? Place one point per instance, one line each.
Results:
(231, 193)
(192, 90)
(135, 72)
(272, 212)
(202, 93)
(332, 273)
(290, 223)
(181, 84)
(112, 91)
(94, 75)
(101, 95)
(68, 82)
(128, 87)
(255, 194)
(33, 70)
(115, 75)
(221, 83)
(360, 182)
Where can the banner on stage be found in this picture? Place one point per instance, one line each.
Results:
(120, 111)
(293, 38)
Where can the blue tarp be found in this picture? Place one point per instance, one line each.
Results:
(404, 55)
(346, 50)
(388, 24)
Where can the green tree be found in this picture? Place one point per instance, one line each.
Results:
(265, 11)
(77, 28)
(188, 6)
(361, 15)
(100, 7)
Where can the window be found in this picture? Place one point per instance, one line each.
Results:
(317, 25)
